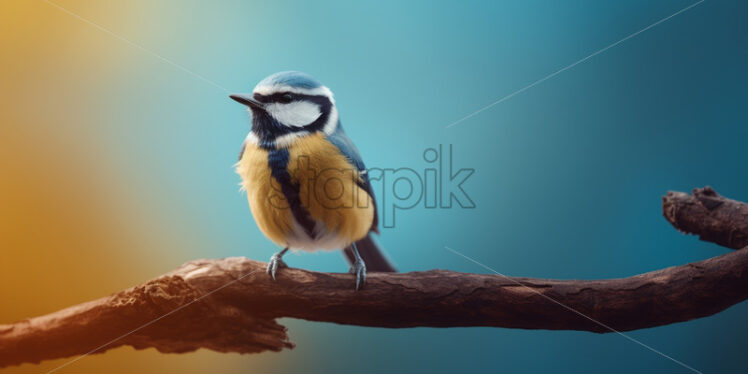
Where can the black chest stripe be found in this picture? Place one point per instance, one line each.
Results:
(278, 161)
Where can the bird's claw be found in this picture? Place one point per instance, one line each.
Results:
(359, 269)
(276, 261)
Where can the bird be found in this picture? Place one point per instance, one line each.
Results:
(306, 183)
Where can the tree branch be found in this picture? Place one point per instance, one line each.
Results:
(705, 213)
(230, 305)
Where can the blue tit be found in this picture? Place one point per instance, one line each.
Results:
(305, 180)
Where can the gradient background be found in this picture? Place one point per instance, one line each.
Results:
(117, 167)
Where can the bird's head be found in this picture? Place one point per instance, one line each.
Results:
(288, 105)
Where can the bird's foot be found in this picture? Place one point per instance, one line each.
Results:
(359, 269)
(276, 261)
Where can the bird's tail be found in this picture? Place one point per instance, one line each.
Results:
(372, 254)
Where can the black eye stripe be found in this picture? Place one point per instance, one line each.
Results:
(285, 97)
(280, 97)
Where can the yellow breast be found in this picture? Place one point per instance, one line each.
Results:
(268, 205)
(328, 190)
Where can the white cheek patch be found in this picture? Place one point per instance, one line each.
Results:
(296, 114)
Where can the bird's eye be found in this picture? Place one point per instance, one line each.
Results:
(285, 98)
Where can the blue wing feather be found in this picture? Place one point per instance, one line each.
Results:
(340, 140)
(346, 146)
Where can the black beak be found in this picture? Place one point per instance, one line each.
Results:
(247, 100)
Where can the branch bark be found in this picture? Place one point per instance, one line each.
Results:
(230, 305)
(712, 217)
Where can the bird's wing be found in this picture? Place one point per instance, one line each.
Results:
(349, 150)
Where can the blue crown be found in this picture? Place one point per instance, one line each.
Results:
(291, 78)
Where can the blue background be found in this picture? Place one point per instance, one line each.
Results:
(569, 173)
